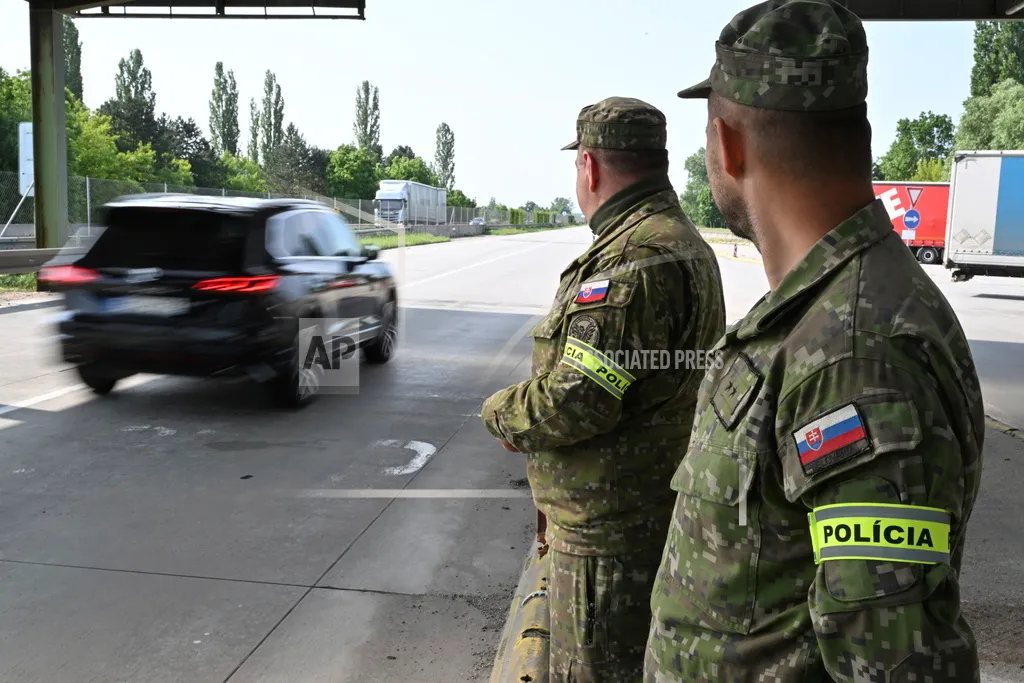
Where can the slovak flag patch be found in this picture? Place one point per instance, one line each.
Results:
(592, 291)
(830, 439)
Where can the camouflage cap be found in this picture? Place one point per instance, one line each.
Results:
(794, 55)
(620, 123)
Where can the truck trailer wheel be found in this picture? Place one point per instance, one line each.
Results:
(928, 255)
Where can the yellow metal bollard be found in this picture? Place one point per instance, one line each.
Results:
(522, 655)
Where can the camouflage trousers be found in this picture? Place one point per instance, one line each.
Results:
(600, 616)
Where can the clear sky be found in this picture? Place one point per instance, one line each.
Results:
(509, 78)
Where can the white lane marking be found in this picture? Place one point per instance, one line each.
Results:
(424, 452)
(29, 402)
(473, 265)
(42, 398)
(415, 493)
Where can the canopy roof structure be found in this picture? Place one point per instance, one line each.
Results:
(937, 10)
(869, 10)
(207, 9)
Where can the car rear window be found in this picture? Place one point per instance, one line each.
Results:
(170, 239)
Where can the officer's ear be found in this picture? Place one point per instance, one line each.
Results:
(592, 171)
(729, 147)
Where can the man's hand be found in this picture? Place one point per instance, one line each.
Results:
(508, 447)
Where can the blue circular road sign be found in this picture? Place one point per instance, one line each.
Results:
(912, 219)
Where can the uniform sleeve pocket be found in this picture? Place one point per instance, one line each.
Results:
(550, 326)
(845, 436)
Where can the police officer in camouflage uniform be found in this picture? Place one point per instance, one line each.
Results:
(835, 459)
(604, 430)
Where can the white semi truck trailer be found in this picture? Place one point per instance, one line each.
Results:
(410, 203)
(985, 224)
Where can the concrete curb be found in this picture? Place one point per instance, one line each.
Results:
(30, 306)
(1000, 426)
(523, 649)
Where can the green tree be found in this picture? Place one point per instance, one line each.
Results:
(995, 121)
(416, 170)
(352, 173)
(254, 131)
(399, 151)
(900, 162)
(224, 130)
(292, 167)
(998, 55)
(132, 110)
(458, 198)
(271, 117)
(92, 150)
(696, 180)
(531, 206)
(15, 107)
(243, 174)
(183, 139)
(932, 171)
(367, 125)
(141, 166)
(72, 58)
(929, 136)
(562, 204)
(706, 212)
(444, 156)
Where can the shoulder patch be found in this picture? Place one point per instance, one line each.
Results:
(592, 291)
(831, 439)
(585, 328)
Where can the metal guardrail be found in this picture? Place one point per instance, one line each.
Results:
(30, 260)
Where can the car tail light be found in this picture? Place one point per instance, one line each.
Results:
(67, 275)
(246, 285)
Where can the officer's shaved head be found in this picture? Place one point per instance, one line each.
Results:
(803, 145)
(631, 163)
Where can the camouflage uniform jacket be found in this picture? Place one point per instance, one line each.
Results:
(851, 383)
(603, 441)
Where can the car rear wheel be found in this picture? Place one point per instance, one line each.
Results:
(299, 385)
(383, 347)
(98, 378)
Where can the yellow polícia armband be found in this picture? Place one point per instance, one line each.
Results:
(880, 531)
(598, 367)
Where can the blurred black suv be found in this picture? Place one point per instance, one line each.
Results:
(202, 286)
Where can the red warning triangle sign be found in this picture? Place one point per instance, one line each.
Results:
(915, 194)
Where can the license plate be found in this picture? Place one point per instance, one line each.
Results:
(147, 305)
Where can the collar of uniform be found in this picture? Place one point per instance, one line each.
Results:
(866, 227)
(649, 204)
(625, 199)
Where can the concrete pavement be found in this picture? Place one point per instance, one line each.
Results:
(179, 530)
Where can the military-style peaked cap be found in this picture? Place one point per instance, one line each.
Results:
(793, 55)
(620, 123)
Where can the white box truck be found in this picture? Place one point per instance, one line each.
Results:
(985, 226)
(410, 203)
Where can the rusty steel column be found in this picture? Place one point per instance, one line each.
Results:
(49, 126)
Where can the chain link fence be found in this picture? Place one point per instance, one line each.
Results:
(87, 195)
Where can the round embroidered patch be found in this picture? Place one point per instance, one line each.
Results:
(585, 328)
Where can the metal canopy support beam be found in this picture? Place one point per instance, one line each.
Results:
(49, 126)
(937, 10)
(211, 9)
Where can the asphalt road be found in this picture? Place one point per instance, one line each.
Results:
(179, 530)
